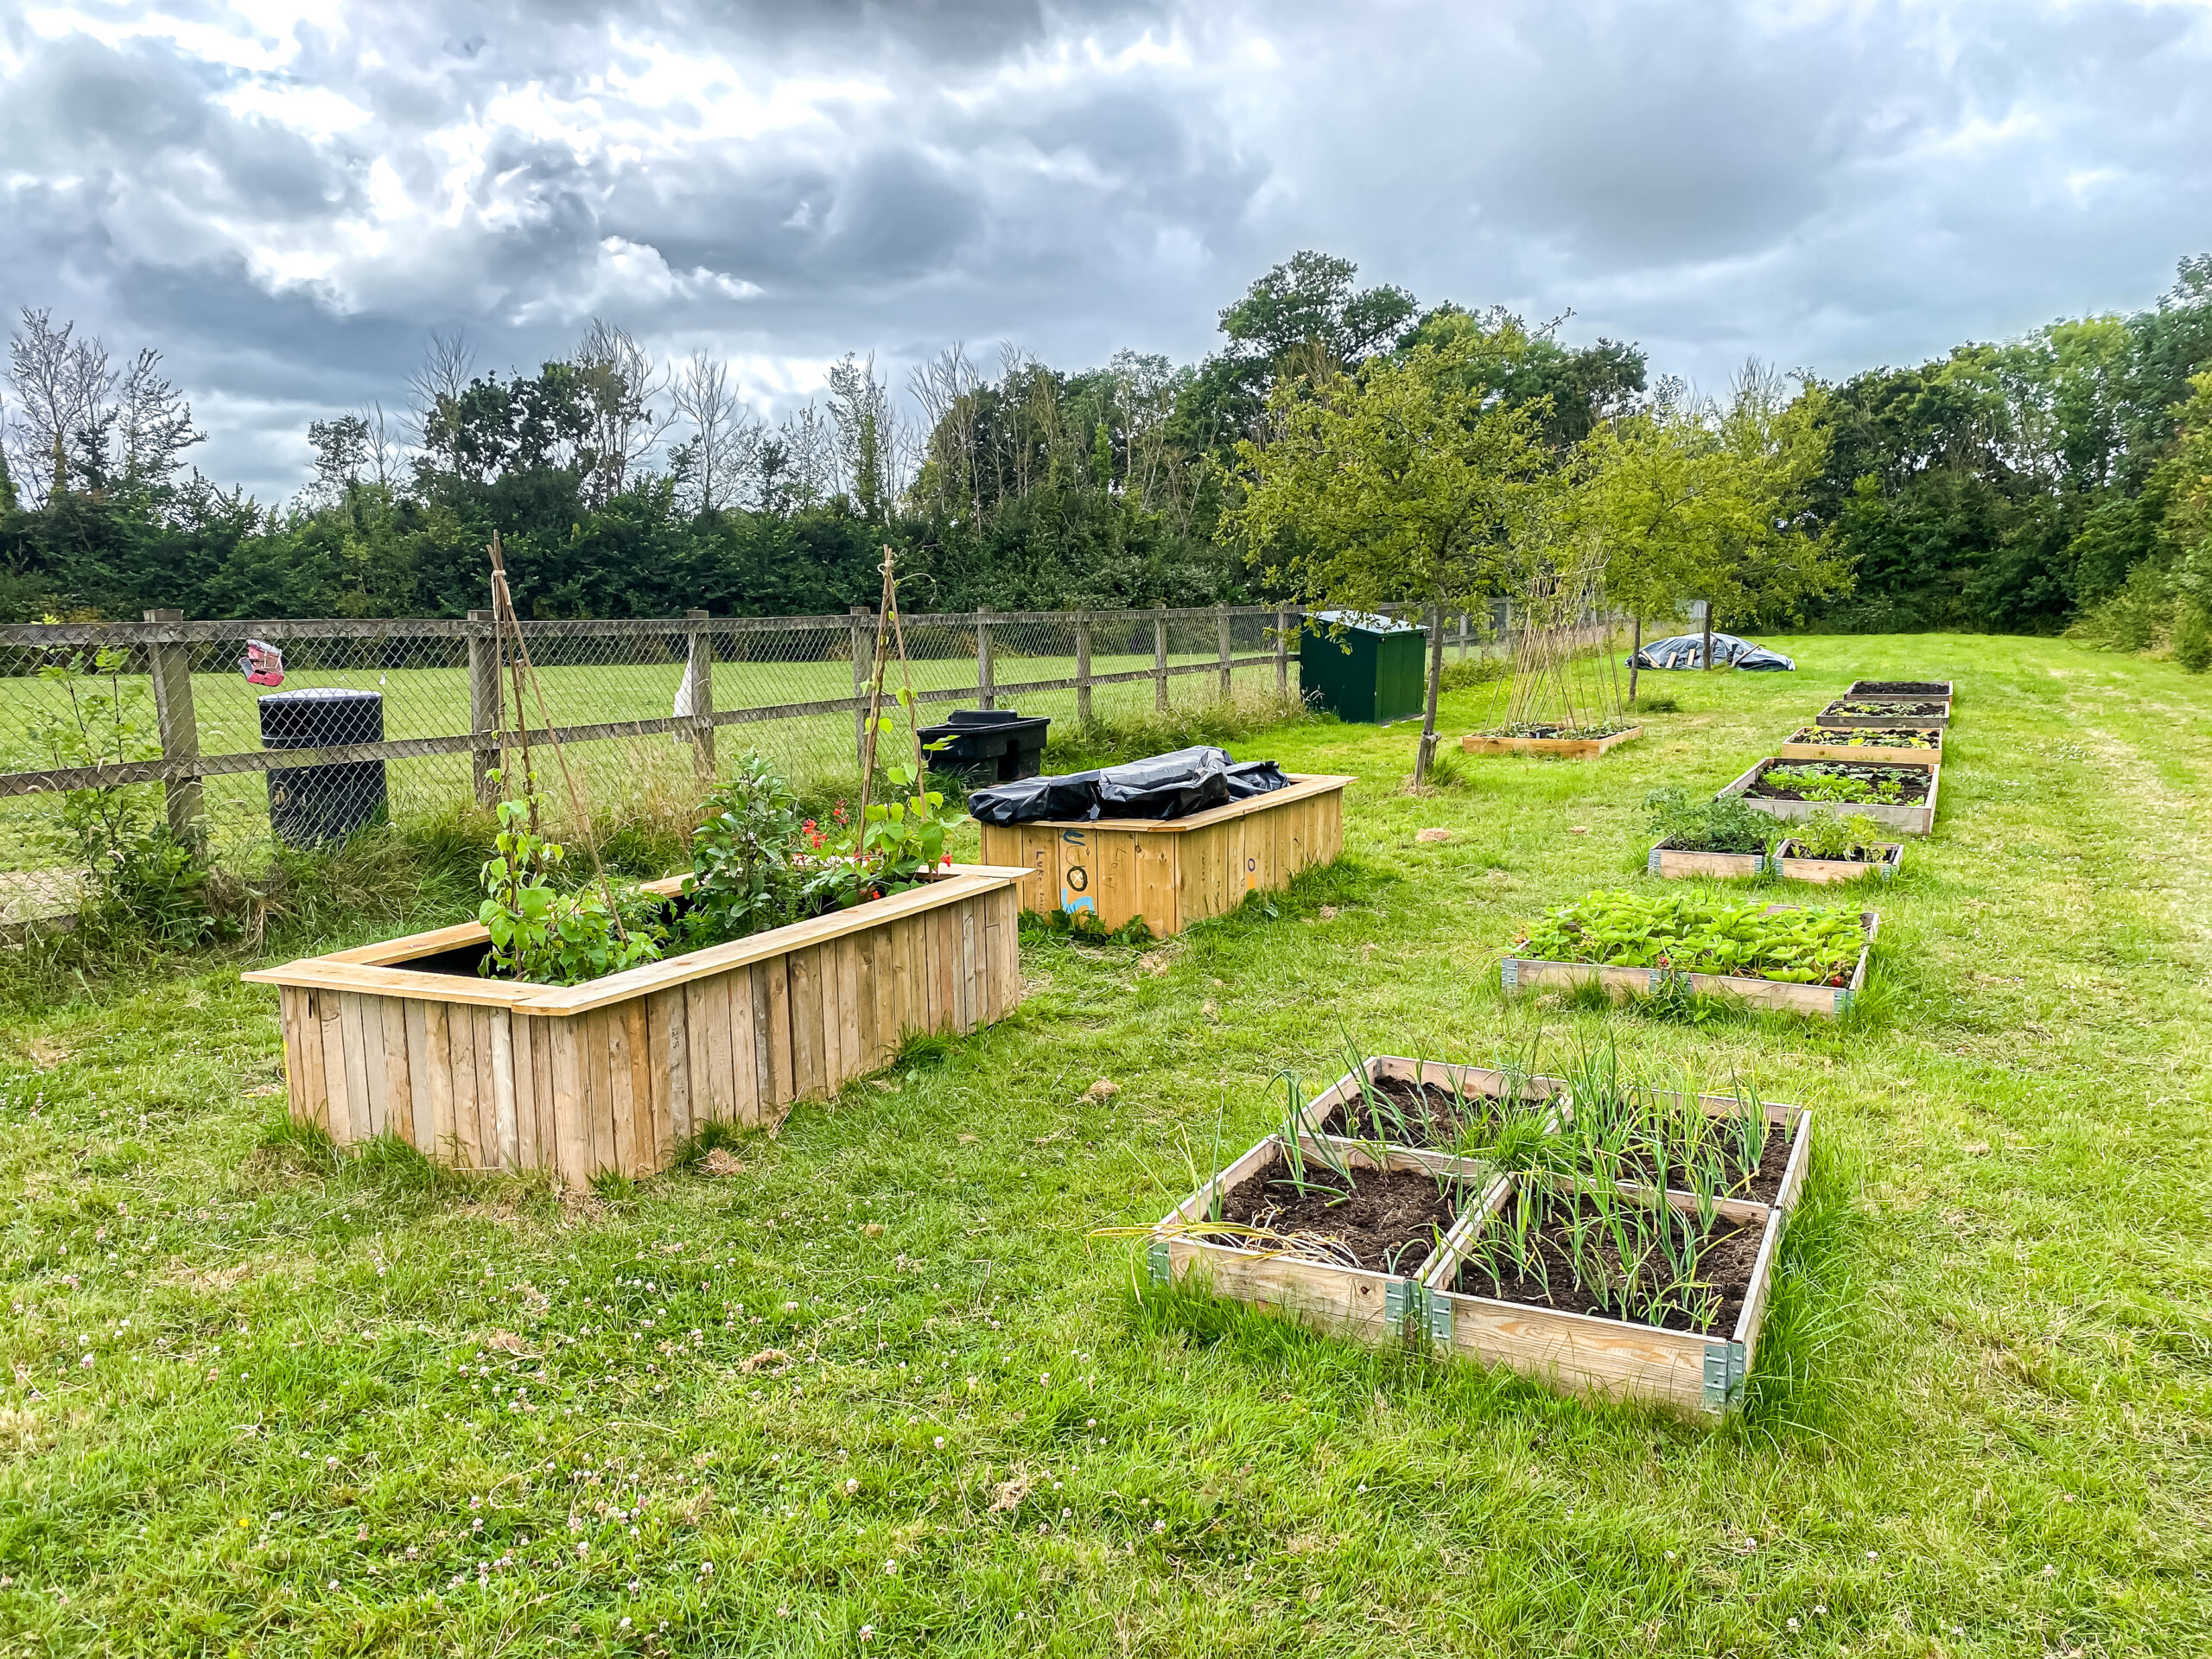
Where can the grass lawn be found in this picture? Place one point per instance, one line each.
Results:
(880, 1392)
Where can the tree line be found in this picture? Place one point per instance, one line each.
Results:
(2019, 486)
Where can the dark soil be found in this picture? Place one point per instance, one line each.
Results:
(1730, 1252)
(1388, 1221)
(1898, 689)
(1433, 1115)
(1914, 780)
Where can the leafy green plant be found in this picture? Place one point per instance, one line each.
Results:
(542, 935)
(1871, 737)
(745, 875)
(1841, 783)
(1690, 824)
(1620, 929)
(114, 833)
(1824, 835)
(898, 842)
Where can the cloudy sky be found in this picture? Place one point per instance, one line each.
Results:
(287, 198)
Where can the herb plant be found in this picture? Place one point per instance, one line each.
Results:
(1691, 823)
(542, 935)
(1826, 836)
(1690, 935)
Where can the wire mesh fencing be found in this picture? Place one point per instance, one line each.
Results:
(644, 711)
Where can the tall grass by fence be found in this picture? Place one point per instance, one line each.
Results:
(100, 704)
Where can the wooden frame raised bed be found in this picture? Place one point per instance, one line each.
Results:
(1835, 720)
(1179, 872)
(1692, 1372)
(1906, 819)
(1805, 744)
(614, 1075)
(1388, 1310)
(1519, 973)
(1676, 865)
(1861, 691)
(1829, 871)
(1566, 748)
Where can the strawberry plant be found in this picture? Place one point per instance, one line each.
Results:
(1695, 935)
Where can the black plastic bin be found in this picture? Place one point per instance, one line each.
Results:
(313, 806)
(988, 746)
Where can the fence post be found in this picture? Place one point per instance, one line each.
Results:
(863, 661)
(1282, 650)
(484, 707)
(987, 676)
(699, 669)
(1083, 668)
(1159, 656)
(1221, 630)
(169, 665)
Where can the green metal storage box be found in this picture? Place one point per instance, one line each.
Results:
(1377, 672)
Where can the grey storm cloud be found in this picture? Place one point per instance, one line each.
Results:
(287, 205)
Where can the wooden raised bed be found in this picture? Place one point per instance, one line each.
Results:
(1693, 1372)
(1806, 744)
(1568, 748)
(1914, 714)
(1676, 865)
(1941, 691)
(1528, 973)
(1829, 871)
(1388, 1310)
(615, 1074)
(1175, 872)
(1907, 819)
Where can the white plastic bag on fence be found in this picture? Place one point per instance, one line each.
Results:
(686, 695)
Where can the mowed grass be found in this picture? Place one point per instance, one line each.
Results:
(881, 1392)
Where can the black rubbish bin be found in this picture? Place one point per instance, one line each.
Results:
(313, 806)
(988, 746)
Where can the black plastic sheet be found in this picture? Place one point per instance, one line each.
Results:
(1163, 787)
(1073, 795)
(1686, 651)
(1251, 777)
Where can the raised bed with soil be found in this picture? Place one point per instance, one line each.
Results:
(1519, 973)
(1174, 873)
(1930, 691)
(1560, 741)
(403, 1038)
(1897, 746)
(1795, 866)
(1859, 714)
(1913, 814)
(1578, 1339)
(1346, 1260)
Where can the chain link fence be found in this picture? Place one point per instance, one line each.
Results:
(643, 708)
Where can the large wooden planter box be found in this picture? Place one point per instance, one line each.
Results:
(1519, 973)
(1675, 865)
(1862, 690)
(1829, 871)
(1806, 744)
(1693, 1372)
(1173, 873)
(614, 1075)
(1388, 1309)
(1569, 748)
(1835, 721)
(1907, 820)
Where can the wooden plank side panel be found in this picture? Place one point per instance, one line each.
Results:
(1603, 1358)
(619, 1106)
(964, 980)
(665, 1014)
(338, 1108)
(645, 1134)
(571, 1121)
(716, 1061)
(423, 1114)
(803, 968)
(775, 1036)
(944, 966)
(437, 1064)
(302, 1085)
(487, 1092)
(867, 1033)
(505, 1140)
(905, 979)
(352, 1022)
(599, 1089)
(399, 1083)
(1342, 1301)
